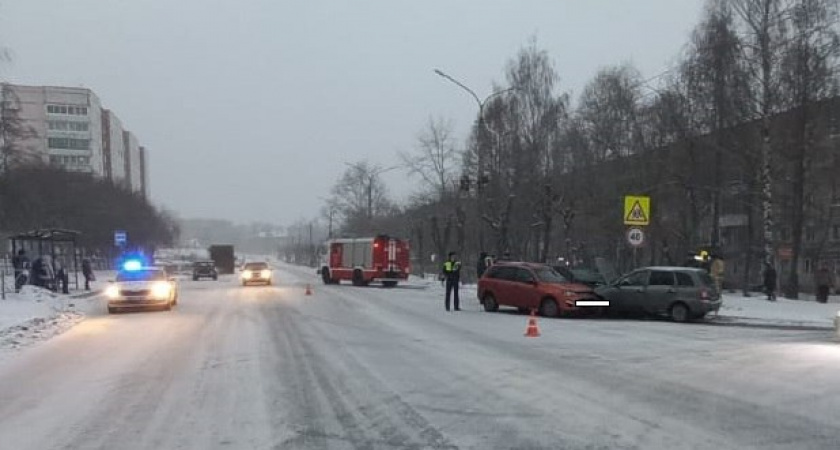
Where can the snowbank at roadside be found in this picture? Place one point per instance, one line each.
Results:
(35, 314)
(757, 310)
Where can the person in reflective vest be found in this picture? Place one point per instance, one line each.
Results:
(452, 276)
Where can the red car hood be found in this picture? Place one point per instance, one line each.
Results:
(574, 287)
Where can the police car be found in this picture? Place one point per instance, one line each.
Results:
(138, 286)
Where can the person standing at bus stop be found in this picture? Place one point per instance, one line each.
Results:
(452, 276)
(20, 262)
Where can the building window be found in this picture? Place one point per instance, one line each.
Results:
(69, 143)
(835, 233)
(69, 110)
(810, 235)
(809, 266)
(785, 234)
(63, 125)
(66, 160)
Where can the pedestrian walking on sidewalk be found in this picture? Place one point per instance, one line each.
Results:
(452, 277)
(87, 272)
(823, 282)
(770, 279)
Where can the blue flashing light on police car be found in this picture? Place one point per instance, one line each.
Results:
(132, 265)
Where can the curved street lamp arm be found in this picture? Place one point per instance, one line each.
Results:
(462, 86)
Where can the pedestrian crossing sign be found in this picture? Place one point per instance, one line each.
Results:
(636, 210)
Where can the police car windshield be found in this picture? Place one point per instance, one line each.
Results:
(142, 275)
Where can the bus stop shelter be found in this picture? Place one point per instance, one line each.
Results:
(58, 244)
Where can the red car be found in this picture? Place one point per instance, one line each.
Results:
(529, 286)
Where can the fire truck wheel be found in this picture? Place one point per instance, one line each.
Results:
(389, 284)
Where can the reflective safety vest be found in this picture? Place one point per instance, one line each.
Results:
(451, 266)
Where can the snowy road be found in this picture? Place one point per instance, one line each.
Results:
(351, 368)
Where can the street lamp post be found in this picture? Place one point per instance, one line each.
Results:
(482, 139)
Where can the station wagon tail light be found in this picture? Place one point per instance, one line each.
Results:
(704, 294)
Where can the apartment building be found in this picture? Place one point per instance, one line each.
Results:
(70, 129)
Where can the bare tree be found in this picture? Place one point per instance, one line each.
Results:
(14, 131)
(808, 76)
(717, 84)
(537, 111)
(360, 197)
(609, 108)
(764, 24)
(435, 160)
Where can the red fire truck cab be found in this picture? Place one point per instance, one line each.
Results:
(362, 260)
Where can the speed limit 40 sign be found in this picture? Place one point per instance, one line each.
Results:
(635, 237)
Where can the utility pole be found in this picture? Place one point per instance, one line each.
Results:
(329, 229)
(311, 246)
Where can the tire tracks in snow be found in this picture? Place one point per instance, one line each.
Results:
(367, 415)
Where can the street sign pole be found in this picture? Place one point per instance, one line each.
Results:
(636, 215)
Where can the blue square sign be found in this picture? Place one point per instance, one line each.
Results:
(120, 238)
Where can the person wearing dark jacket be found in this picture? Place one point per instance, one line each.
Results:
(38, 272)
(20, 262)
(770, 280)
(87, 272)
(62, 278)
(822, 279)
(452, 276)
(481, 265)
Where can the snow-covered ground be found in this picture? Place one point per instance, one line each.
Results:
(36, 314)
(350, 367)
(757, 310)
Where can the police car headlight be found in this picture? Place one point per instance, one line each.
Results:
(246, 274)
(161, 290)
(265, 274)
(112, 291)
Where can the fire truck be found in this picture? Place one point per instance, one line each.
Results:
(363, 260)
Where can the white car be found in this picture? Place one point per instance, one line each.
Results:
(142, 287)
(256, 273)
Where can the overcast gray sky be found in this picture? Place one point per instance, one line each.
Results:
(250, 107)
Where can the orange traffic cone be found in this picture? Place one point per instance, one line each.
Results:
(308, 289)
(533, 329)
